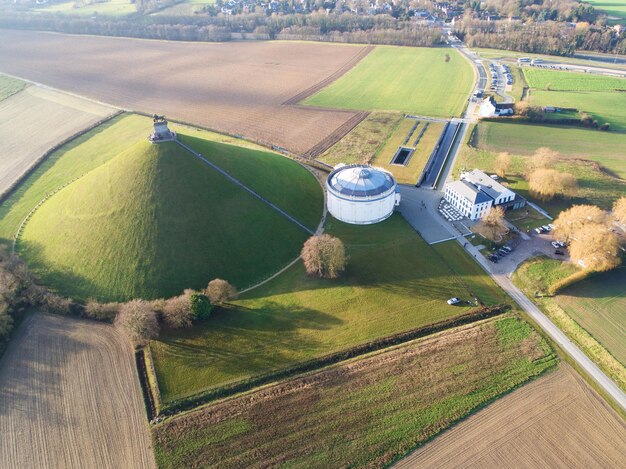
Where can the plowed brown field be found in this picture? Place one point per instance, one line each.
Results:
(239, 88)
(70, 398)
(557, 421)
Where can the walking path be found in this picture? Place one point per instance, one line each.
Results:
(243, 186)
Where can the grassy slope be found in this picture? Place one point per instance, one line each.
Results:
(109, 8)
(537, 274)
(150, 223)
(9, 86)
(556, 80)
(414, 80)
(366, 417)
(615, 8)
(607, 106)
(75, 158)
(606, 148)
(395, 282)
(598, 304)
(364, 141)
(280, 180)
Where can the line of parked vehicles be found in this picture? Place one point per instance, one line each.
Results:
(506, 71)
(500, 253)
(557, 245)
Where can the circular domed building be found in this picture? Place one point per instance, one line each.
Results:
(360, 194)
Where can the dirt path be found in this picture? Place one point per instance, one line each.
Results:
(70, 398)
(556, 421)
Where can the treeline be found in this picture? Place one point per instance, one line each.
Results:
(549, 37)
(341, 28)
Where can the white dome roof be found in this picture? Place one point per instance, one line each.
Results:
(360, 181)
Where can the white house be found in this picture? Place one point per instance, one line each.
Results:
(476, 192)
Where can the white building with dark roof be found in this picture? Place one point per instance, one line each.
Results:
(476, 192)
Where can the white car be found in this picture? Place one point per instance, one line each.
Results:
(454, 301)
(555, 245)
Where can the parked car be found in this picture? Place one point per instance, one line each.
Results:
(561, 244)
(555, 245)
(538, 230)
(551, 225)
(546, 228)
(454, 301)
(507, 248)
(558, 252)
(493, 259)
(503, 252)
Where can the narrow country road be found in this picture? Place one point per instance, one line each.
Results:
(522, 300)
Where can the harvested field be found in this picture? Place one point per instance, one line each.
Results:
(70, 397)
(361, 413)
(236, 88)
(556, 421)
(35, 120)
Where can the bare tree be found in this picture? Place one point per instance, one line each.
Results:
(138, 321)
(502, 164)
(493, 225)
(324, 256)
(220, 291)
(545, 184)
(543, 157)
(596, 248)
(569, 222)
(619, 210)
(101, 311)
(176, 312)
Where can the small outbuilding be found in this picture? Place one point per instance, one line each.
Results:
(361, 194)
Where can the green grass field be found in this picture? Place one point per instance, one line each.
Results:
(598, 304)
(395, 282)
(409, 79)
(364, 413)
(155, 220)
(410, 173)
(556, 80)
(607, 106)
(613, 8)
(605, 148)
(108, 8)
(9, 86)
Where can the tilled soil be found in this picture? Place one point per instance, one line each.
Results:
(556, 421)
(70, 398)
(239, 88)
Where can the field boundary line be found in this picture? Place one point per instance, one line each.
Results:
(349, 65)
(242, 185)
(4, 196)
(205, 397)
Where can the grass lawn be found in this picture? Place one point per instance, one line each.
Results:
(409, 79)
(598, 304)
(395, 282)
(613, 8)
(364, 413)
(590, 312)
(364, 141)
(155, 220)
(108, 8)
(556, 80)
(606, 148)
(410, 173)
(604, 106)
(287, 184)
(526, 218)
(9, 86)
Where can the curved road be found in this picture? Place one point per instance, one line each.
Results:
(606, 383)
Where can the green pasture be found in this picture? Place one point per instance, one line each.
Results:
(604, 106)
(184, 8)
(598, 304)
(409, 79)
(394, 282)
(109, 8)
(367, 416)
(613, 8)
(557, 80)
(9, 86)
(606, 148)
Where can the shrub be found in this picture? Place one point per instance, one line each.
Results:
(138, 321)
(200, 306)
(324, 256)
(101, 311)
(567, 281)
(176, 311)
(220, 291)
(55, 304)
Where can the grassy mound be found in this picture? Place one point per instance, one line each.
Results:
(153, 221)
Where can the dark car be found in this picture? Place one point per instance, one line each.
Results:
(558, 252)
